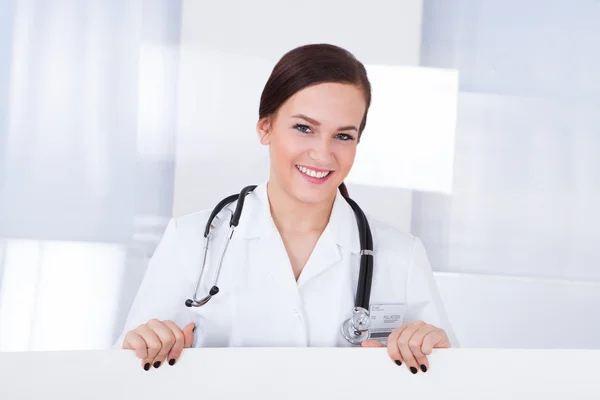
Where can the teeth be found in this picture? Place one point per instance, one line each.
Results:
(312, 173)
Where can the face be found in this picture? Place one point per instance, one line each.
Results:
(313, 139)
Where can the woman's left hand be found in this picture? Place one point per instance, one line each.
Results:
(412, 343)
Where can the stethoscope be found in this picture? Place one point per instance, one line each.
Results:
(356, 328)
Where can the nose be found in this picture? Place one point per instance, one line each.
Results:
(322, 150)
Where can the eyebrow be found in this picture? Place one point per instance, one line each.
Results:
(317, 123)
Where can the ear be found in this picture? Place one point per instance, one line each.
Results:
(263, 128)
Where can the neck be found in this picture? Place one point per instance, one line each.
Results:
(295, 217)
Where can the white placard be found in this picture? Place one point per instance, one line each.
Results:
(302, 373)
(408, 142)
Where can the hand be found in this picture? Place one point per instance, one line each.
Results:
(158, 340)
(412, 343)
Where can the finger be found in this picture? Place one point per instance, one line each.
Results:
(177, 348)
(153, 344)
(372, 343)
(188, 335)
(167, 339)
(431, 340)
(404, 346)
(416, 343)
(133, 341)
(393, 349)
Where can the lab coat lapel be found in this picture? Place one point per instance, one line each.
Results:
(340, 233)
(259, 228)
(325, 254)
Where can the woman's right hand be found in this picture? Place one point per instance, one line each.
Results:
(157, 341)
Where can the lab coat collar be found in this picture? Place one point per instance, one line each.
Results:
(256, 220)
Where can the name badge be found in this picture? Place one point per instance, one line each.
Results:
(384, 319)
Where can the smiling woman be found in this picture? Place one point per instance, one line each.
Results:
(313, 137)
(297, 262)
(326, 101)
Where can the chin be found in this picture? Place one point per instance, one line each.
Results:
(314, 194)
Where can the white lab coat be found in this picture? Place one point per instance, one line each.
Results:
(260, 303)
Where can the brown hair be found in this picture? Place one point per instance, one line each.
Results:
(310, 65)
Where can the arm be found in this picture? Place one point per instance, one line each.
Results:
(159, 296)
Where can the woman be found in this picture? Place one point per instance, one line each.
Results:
(290, 273)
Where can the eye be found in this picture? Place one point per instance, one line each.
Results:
(302, 128)
(344, 136)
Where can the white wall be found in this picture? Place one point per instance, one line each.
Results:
(493, 311)
(527, 173)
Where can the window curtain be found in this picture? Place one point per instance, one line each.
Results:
(526, 184)
(88, 102)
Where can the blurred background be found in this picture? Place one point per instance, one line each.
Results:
(484, 141)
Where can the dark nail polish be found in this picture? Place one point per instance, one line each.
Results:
(147, 366)
(423, 368)
(398, 362)
(413, 370)
(194, 330)
(172, 361)
(157, 364)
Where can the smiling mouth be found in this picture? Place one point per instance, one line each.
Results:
(312, 173)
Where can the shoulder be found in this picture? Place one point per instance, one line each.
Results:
(389, 239)
(191, 220)
(196, 221)
(192, 225)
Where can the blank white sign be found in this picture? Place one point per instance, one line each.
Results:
(302, 373)
(408, 142)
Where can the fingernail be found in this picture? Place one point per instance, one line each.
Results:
(157, 364)
(413, 370)
(194, 330)
(172, 361)
(398, 362)
(147, 366)
(423, 368)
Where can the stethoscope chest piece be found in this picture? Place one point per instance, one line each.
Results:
(356, 328)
